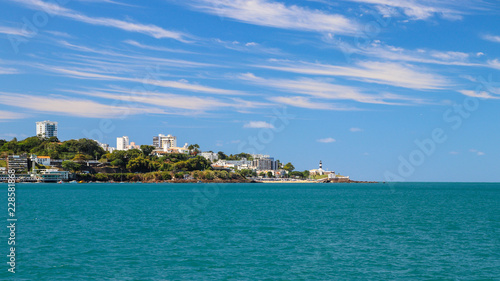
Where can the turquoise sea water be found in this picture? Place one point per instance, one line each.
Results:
(410, 231)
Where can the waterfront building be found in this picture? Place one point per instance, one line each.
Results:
(17, 162)
(122, 143)
(53, 175)
(132, 145)
(236, 164)
(46, 129)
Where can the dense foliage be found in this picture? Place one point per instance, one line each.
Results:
(133, 161)
(52, 147)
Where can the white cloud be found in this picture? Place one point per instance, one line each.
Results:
(71, 106)
(304, 102)
(477, 152)
(15, 31)
(8, 70)
(8, 115)
(454, 153)
(419, 9)
(492, 38)
(326, 140)
(59, 34)
(355, 130)
(154, 48)
(147, 29)
(279, 15)
(161, 99)
(322, 89)
(181, 85)
(391, 53)
(478, 94)
(258, 125)
(395, 74)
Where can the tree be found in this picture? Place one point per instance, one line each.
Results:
(306, 174)
(139, 164)
(221, 155)
(289, 167)
(71, 166)
(147, 149)
(118, 163)
(79, 158)
(269, 174)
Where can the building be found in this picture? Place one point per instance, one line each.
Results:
(320, 171)
(122, 143)
(212, 156)
(132, 145)
(41, 160)
(170, 150)
(53, 175)
(17, 162)
(162, 141)
(46, 129)
(265, 164)
(105, 146)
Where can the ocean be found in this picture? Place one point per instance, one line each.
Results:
(133, 231)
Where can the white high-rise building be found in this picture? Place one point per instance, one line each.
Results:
(46, 129)
(122, 143)
(162, 141)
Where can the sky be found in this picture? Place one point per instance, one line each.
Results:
(385, 90)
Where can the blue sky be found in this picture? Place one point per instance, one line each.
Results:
(376, 89)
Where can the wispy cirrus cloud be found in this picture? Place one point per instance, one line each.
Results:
(180, 85)
(426, 9)
(154, 48)
(258, 125)
(327, 140)
(278, 15)
(303, 102)
(15, 31)
(492, 38)
(8, 70)
(325, 90)
(71, 106)
(389, 73)
(9, 115)
(163, 100)
(380, 50)
(147, 29)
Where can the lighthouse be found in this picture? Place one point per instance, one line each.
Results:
(320, 165)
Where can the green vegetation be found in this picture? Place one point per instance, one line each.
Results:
(288, 167)
(132, 165)
(86, 148)
(300, 175)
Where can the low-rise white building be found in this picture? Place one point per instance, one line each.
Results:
(41, 160)
(212, 156)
